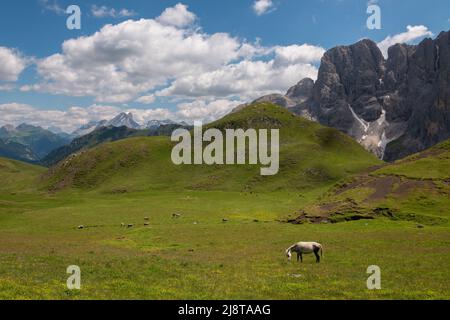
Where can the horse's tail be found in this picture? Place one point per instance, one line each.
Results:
(321, 251)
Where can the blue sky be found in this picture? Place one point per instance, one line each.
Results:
(231, 42)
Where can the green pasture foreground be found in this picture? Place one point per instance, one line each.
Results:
(201, 256)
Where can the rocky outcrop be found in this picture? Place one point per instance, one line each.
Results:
(302, 91)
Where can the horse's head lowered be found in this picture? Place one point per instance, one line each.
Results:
(289, 254)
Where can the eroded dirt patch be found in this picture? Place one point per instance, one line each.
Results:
(382, 186)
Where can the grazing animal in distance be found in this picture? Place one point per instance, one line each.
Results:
(302, 248)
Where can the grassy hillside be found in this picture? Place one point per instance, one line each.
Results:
(16, 176)
(432, 164)
(103, 135)
(311, 156)
(416, 188)
(99, 136)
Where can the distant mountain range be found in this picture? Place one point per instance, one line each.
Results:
(37, 145)
(123, 120)
(394, 107)
(29, 143)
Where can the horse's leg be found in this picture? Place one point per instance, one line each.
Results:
(298, 256)
(316, 253)
(301, 257)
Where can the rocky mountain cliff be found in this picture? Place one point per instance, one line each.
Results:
(393, 107)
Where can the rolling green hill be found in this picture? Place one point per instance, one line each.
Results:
(310, 156)
(16, 176)
(432, 164)
(103, 135)
(416, 188)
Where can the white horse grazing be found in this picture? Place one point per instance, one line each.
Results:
(305, 248)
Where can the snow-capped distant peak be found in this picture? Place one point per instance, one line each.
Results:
(121, 120)
(155, 124)
(124, 119)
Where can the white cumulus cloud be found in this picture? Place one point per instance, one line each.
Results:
(413, 33)
(178, 16)
(295, 54)
(122, 61)
(247, 79)
(135, 59)
(168, 56)
(261, 7)
(12, 63)
(206, 111)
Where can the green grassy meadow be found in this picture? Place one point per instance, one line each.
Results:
(230, 238)
(198, 256)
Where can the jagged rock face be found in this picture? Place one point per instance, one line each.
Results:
(393, 107)
(123, 119)
(426, 97)
(301, 91)
(348, 93)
